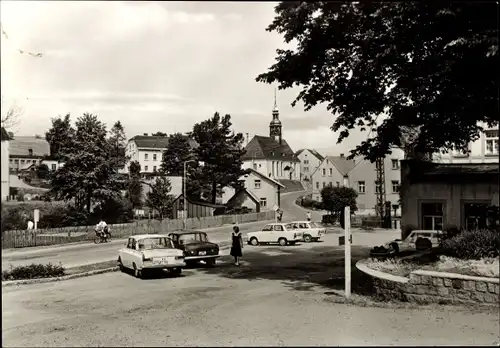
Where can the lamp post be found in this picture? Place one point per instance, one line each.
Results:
(184, 213)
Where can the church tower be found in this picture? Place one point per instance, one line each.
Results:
(275, 125)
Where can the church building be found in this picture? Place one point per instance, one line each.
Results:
(272, 156)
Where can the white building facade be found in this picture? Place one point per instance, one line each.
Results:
(310, 159)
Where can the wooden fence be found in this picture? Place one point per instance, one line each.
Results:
(63, 235)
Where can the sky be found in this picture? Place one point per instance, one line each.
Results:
(155, 66)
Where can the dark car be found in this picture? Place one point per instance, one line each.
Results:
(196, 247)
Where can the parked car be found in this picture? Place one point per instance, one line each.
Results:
(312, 231)
(281, 233)
(417, 239)
(196, 247)
(148, 252)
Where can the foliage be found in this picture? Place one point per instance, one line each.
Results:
(135, 185)
(114, 210)
(472, 245)
(14, 218)
(430, 67)
(63, 216)
(33, 271)
(159, 197)
(10, 117)
(221, 151)
(336, 198)
(88, 174)
(117, 145)
(178, 151)
(60, 137)
(160, 134)
(42, 171)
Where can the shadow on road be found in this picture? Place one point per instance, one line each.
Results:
(298, 269)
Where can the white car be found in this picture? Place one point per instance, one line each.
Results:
(312, 232)
(410, 241)
(281, 233)
(147, 252)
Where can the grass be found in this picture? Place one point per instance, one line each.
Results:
(91, 267)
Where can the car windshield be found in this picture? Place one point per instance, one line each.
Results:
(192, 238)
(155, 243)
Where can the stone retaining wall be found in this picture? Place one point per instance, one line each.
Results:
(435, 287)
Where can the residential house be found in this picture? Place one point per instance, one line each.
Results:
(436, 196)
(148, 151)
(360, 175)
(483, 150)
(27, 150)
(256, 191)
(272, 156)
(309, 159)
(5, 140)
(52, 164)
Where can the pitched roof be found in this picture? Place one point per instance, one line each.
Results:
(250, 194)
(313, 151)
(462, 168)
(259, 174)
(343, 165)
(5, 135)
(201, 202)
(267, 148)
(20, 146)
(156, 141)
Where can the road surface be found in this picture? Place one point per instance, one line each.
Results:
(279, 296)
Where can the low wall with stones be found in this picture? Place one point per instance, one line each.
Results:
(434, 287)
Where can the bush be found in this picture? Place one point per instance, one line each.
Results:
(33, 271)
(318, 205)
(472, 245)
(14, 218)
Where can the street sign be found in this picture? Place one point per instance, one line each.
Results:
(36, 217)
(347, 250)
(276, 208)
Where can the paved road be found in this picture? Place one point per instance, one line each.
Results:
(280, 296)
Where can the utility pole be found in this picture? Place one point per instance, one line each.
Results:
(184, 212)
(381, 195)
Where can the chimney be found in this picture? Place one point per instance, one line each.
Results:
(341, 155)
(145, 134)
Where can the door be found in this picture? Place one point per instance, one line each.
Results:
(277, 233)
(266, 234)
(126, 255)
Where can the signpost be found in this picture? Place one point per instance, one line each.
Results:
(276, 208)
(347, 250)
(36, 217)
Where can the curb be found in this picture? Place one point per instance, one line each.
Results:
(223, 245)
(49, 280)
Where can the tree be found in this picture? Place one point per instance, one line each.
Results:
(60, 137)
(88, 174)
(118, 143)
(221, 151)
(159, 197)
(135, 185)
(427, 65)
(10, 115)
(178, 151)
(42, 171)
(160, 134)
(335, 199)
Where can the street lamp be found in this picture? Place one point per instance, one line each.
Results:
(184, 213)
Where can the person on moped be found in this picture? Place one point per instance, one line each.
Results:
(101, 228)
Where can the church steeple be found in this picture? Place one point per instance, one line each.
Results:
(275, 125)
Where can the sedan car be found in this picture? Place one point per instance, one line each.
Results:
(280, 233)
(147, 252)
(312, 232)
(196, 247)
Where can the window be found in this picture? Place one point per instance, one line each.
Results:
(324, 184)
(22, 161)
(432, 216)
(378, 187)
(30, 152)
(278, 228)
(306, 169)
(255, 166)
(324, 171)
(395, 164)
(154, 168)
(256, 184)
(54, 166)
(331, 172)
(154, 157)
(145, 156)
(491, 142)
(16, 161)
(268, 228)
(306, 161)
(317, 184)
(145, 168)
(263, 202)
(475, 216)
(395, 186)
(361, 187)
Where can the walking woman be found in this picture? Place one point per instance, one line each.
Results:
(237, 245)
